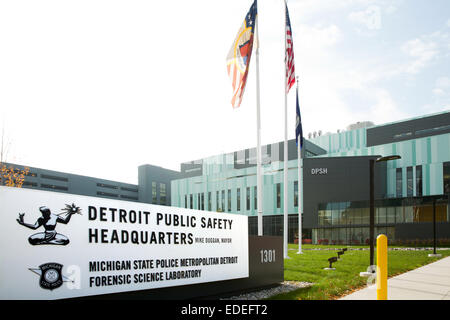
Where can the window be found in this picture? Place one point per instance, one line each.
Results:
(432, 130)
(446, 168)
(278, 195)
(409, 182)
(154, 198)
(102, 185)
(399, 184)
(62, 188)
(380, 215)
(129, 189)
(403, 135)
(247, 198)
(209, 201)
(106, 194)
(344, 212)
(324, 214)
(223, 201)
(191, 201)
(217, 201)
(255, 197)
(327, 217)
(128, 197)
(419, 181)
(342, 235)
(162, 193)
(408, 213)
(203, 201)
(390, 213)
(321, 213)
(185, 201)
(46, 176)
(355, 216)
(399, 215)
(334, 213)
(238, 199)
(229, 200)
(365, 215)
(295, 193)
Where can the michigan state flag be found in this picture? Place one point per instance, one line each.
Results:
(298, 124)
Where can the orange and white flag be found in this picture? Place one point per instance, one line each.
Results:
(238, 59)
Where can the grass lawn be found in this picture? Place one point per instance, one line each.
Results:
(331, 284)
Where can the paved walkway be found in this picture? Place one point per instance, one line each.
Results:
(430, 282)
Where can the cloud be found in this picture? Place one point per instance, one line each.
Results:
(443, 82)
(440, 98)
(310, 7)
(442, 87)
(320, 37)
(370, 18)
(422, 51)
(438, 92)
(390, 9)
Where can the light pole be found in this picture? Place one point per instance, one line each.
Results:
(372, 208)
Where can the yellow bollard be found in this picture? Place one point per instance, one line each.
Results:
(382, 271)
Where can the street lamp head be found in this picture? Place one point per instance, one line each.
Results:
(388, 158)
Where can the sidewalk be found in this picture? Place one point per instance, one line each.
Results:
(430, 282)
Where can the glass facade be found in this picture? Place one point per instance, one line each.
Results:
(217, 201)
(273, 225)
(278, 195)
(409, 182)
(154, 199)
(255, 198)
(348, 222)
(223, 201)
(247, 197)
(386, 211)
(295, 193)
(446, 177)
(238, 203)
(398, 183)
(418, 181)
(423, 171)
(349, 235)
(209, 201)
(162, 193)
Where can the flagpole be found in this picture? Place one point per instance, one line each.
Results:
(258, 133)
(300, 187)
(285, 150)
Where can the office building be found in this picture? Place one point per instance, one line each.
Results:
(408, 191)
(336, 183)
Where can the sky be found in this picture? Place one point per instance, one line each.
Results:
(99, 87)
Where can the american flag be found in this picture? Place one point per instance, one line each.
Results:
(289, 57)
(238, 59)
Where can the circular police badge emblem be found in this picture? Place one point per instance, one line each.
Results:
(51, 277)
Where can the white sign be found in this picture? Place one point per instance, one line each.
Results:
(58, 245)
(315, 171)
